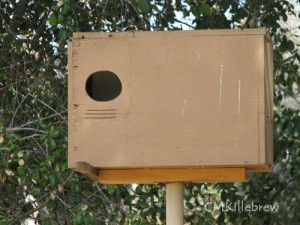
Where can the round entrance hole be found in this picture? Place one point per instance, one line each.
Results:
(103, 86)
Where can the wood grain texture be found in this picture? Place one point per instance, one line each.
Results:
(71, 159)
(271, 95)
(189, 99)
(219, 32)
(150, 176)
(262, 100)
(87, 170)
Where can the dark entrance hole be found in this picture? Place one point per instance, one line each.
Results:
(103, 86)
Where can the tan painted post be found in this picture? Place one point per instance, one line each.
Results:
(174, 198)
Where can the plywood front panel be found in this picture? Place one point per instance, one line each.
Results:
(187, 100)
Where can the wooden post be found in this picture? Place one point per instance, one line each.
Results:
(174, 198)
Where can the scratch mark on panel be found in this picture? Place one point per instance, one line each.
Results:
(221, 83)
(221, 77)
(198, 59)
(236, 141)
(183, 108)
(238, 114)
(239, 98)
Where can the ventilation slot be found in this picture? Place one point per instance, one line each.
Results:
(98, 114)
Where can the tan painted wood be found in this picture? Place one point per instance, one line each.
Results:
(269, 94)
(262, 100)
(266, 104)
(70, 106)
(260, 168)
(87, 170)
(149, 176)
(189, 99)
(219, 32)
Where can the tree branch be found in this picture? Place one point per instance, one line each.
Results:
(30, 136)
(41, 119)
(24, 129)
(48, 107)
(105, 198)
(17, 109)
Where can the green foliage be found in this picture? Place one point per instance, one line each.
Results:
(53, 20)
(33, 115)
(144, 6)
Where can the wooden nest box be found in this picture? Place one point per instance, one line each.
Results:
(170, 106)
